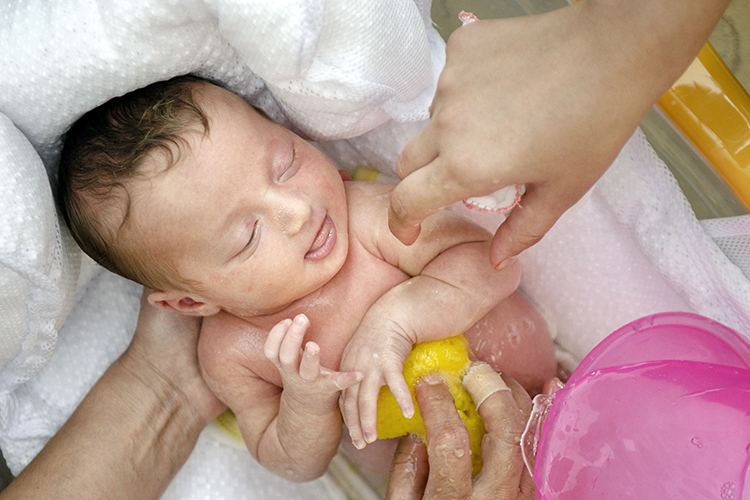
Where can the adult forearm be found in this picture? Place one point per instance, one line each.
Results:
(126, 440)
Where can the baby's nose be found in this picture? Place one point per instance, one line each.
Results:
(291, 214)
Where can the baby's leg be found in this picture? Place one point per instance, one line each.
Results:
(515, 339)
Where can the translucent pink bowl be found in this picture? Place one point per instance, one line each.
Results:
(658, 410)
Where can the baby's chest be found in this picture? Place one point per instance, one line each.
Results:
(335, 311)
(335, 314)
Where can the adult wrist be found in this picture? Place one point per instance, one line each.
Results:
(651, 42)
(182, 398)
(127, 439)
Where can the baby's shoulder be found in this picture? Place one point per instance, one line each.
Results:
(367, 192)
(224, 324)
(367, 204)
(221, 336)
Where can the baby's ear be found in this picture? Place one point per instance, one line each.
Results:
(174, 300)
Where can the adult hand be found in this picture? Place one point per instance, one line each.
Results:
(449, 473)
(163, 352)
(136, 426)
(545, 100)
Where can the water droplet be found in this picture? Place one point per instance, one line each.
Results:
(727, 491)
(697, 442)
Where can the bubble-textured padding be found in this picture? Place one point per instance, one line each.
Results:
(732, 235)
(329, 69)
(39, 266)
(635, 248)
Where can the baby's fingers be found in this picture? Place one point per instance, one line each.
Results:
(274, 339)
(368, 402)
(284, 342)
(309, 367)
(345, 380)
(400, 391)
(368, 408)
(350, 412)
(291, 345)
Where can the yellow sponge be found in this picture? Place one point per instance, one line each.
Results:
(450, 358)
(228, 423)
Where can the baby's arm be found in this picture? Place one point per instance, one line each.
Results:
(295, 431)
(452, 287)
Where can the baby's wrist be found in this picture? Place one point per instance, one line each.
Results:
(305, 405)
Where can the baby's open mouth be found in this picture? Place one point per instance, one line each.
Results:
(324, 241)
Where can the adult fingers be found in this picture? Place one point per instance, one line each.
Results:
(418, 196)
(409, 468)
(526, 225)
(418, 152)
(505, 407)
(448, 444)
(527, 488)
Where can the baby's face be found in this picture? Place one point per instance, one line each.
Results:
(251, 211)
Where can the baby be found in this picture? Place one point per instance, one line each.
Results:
(310, 304)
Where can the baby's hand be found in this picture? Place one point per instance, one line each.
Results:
(380, 354)
(308, 385)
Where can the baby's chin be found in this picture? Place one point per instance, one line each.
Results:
(248, 312)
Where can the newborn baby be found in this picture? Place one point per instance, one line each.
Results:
(310, 304)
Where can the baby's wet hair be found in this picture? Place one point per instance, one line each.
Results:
(104, 150)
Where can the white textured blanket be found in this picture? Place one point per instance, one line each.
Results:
(330, 70)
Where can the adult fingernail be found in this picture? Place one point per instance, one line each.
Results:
(358, 444)
(505, 263)
(432, 378)
(369, 437)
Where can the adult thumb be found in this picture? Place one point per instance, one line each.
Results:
(526, 225)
